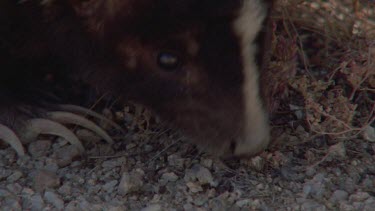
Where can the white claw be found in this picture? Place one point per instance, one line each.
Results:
(7, 135)
(84, 111)
(38, 126)
(70, 118)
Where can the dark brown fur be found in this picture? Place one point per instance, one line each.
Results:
(113, 45)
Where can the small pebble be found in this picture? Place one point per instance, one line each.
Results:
(168, 177)
(243, 202)
(194, 188)
(27, 191)
(345, 206)
(315, 187)
(312, 205)
(369, 134)
(15, 176)
(14, 188)
(4, 173)
(65, 189)
(11, 204)
(4, 193)
(109, 186)
(54, 199)
(45, 179)
(39, 148)
(207, 163)
(66, 154)
(359, 197)
(111, 164)
(154, 207)
(200, 200)
(34, 202)
(339, 195)
(131, 182)
(176, 161)
(338, 151)
(200, 173)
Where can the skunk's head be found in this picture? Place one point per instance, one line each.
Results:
(194, 62)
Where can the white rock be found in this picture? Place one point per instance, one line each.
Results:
(54, 199)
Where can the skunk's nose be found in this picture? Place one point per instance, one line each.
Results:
(254, 142)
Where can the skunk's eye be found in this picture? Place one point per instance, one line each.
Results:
(168, 61)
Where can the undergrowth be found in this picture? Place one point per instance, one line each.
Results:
(323, 68)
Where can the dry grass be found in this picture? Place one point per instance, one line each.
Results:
(323, 65)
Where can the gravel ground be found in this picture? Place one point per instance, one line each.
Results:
(150, 171)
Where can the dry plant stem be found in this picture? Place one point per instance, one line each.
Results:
(333, 118)
(371, 119)
(355, 89)
(367, 90)
(320, 161)
(300, 49)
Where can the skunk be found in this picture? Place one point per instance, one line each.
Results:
(195, 63)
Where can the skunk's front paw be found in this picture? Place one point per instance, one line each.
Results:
(53, 123)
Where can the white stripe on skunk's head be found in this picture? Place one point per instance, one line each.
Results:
(194, 62)
(248, 25)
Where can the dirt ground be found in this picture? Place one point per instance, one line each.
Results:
(322, 156)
